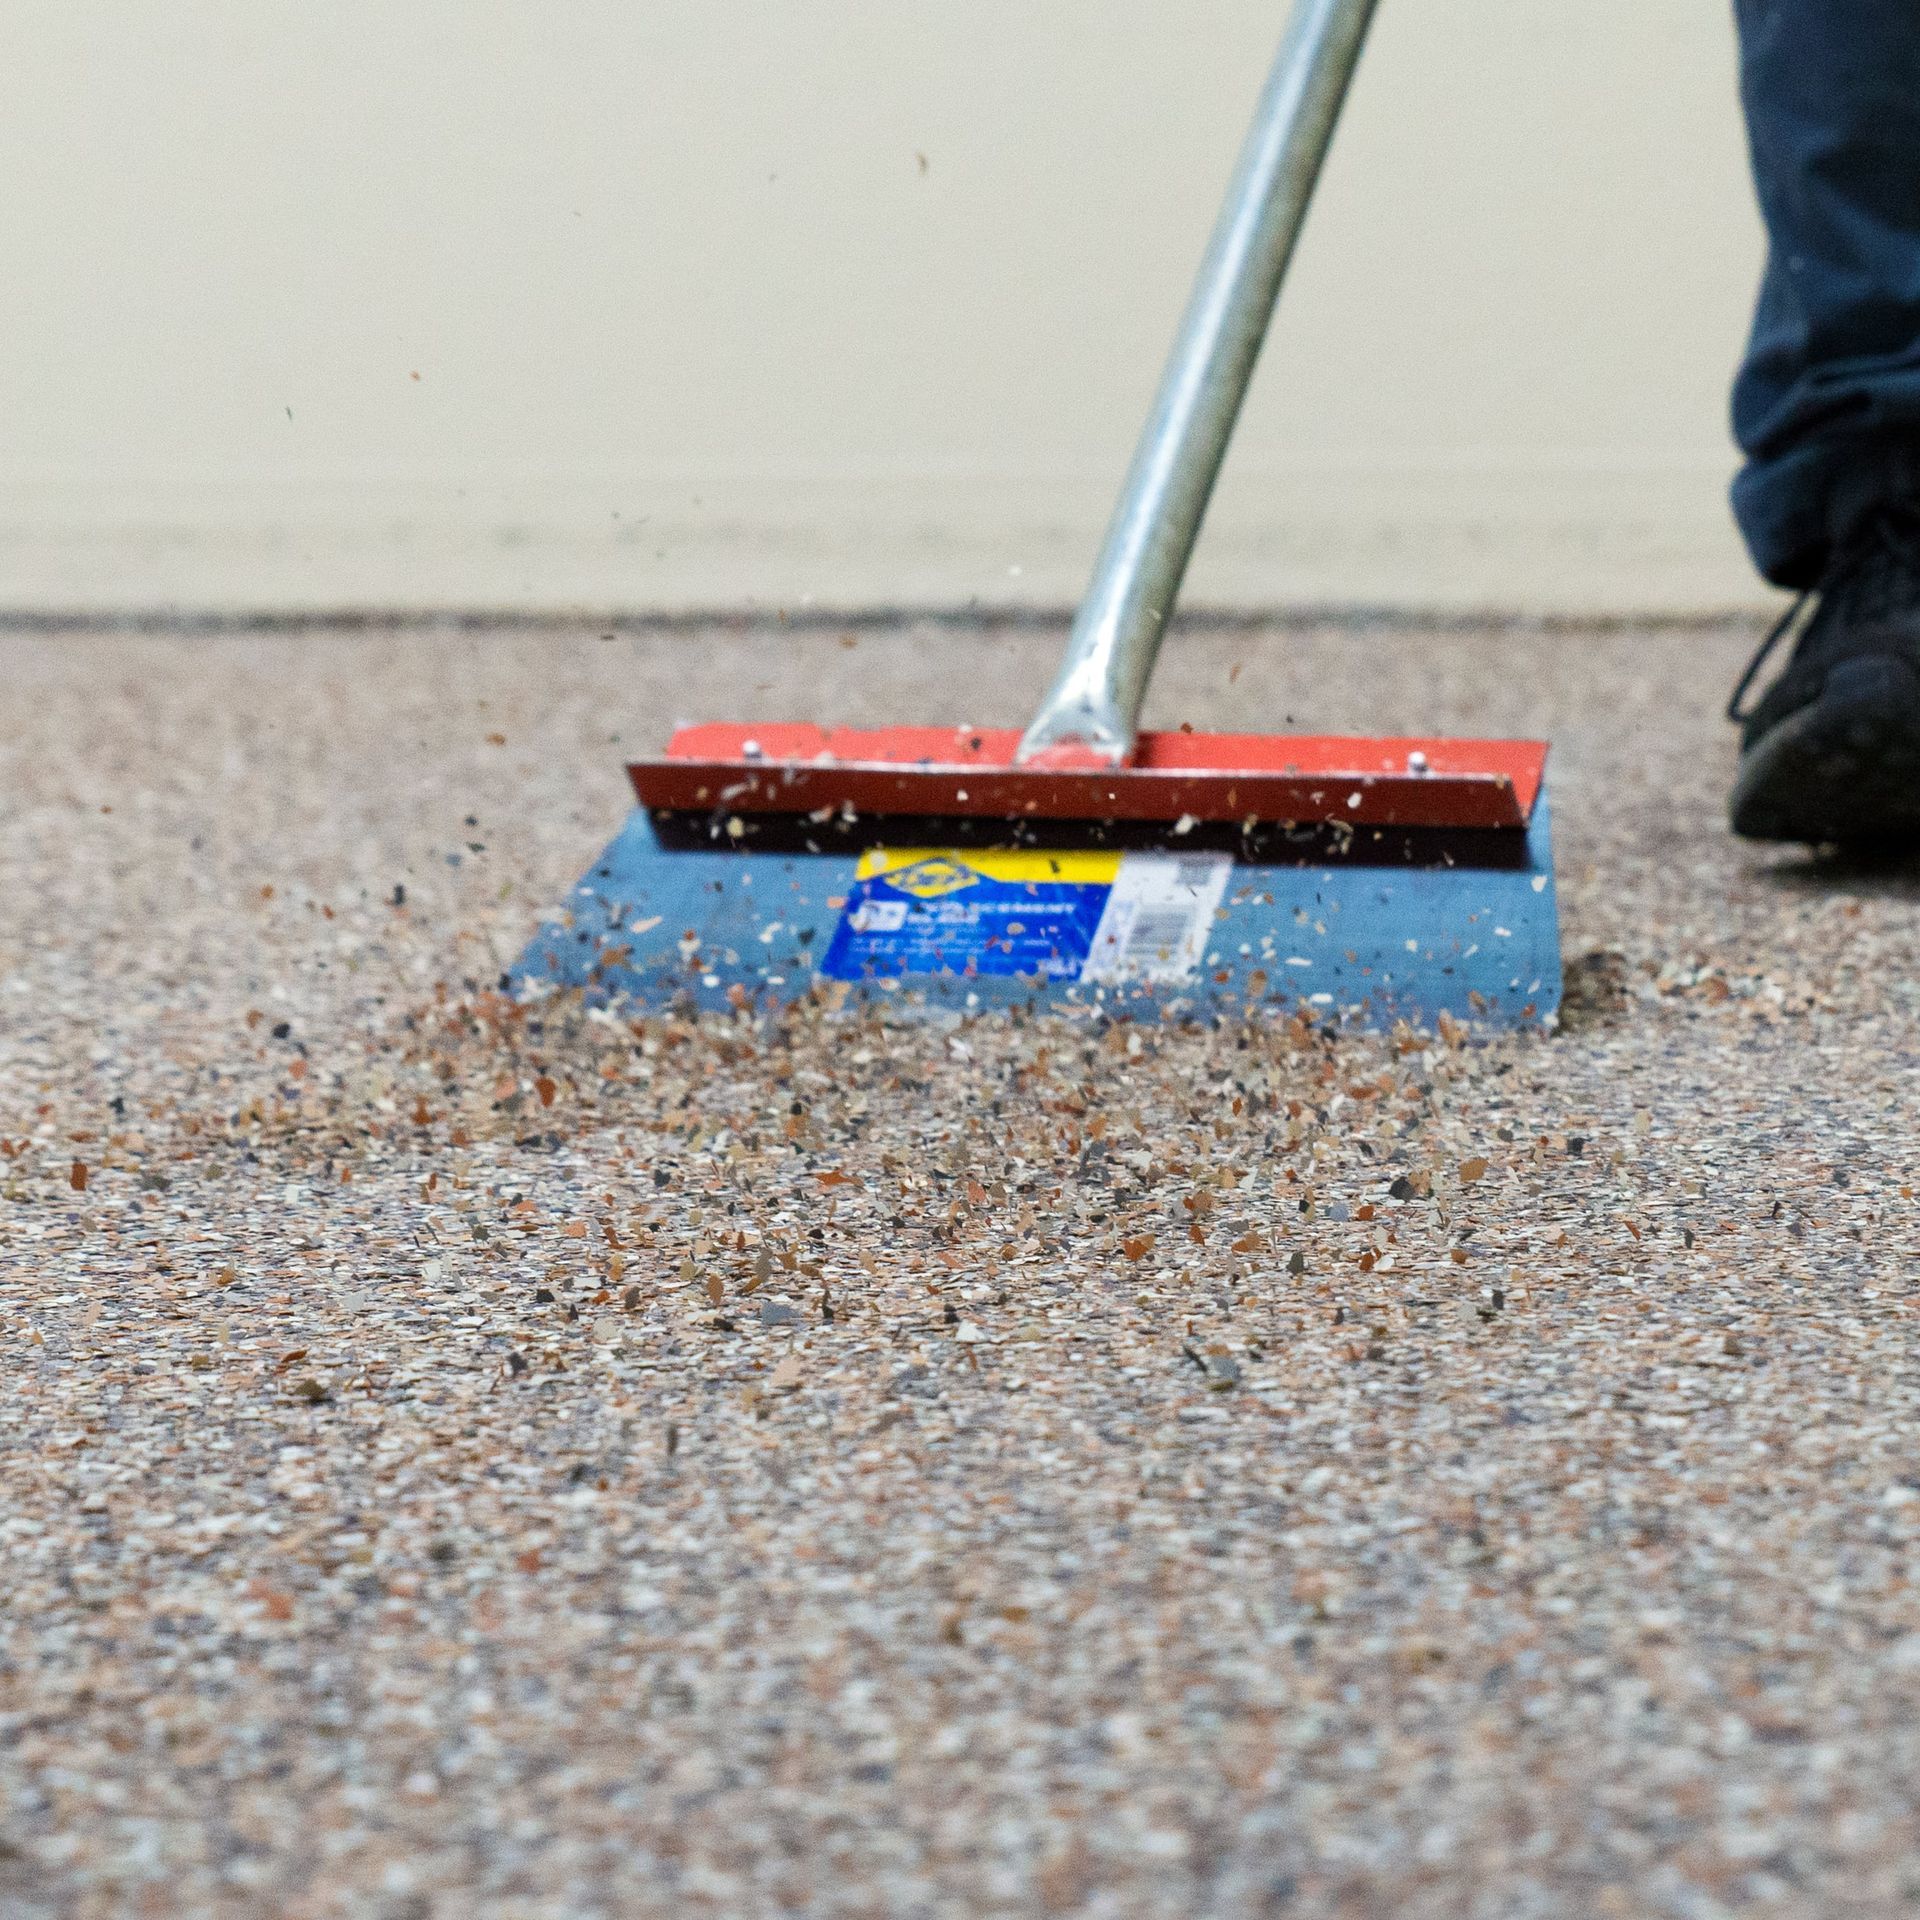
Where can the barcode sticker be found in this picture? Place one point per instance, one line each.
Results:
(1158, 916)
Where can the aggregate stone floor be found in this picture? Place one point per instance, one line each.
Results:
(457, 1460)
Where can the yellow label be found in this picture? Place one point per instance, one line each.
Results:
(929, 872)
(929, 879)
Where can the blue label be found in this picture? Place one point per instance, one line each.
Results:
(1026, 913)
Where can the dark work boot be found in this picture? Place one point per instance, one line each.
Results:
(1831, 752)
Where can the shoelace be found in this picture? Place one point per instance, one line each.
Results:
(1738, 714)
(1892, 534)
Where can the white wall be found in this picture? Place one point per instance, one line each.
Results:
(731, 301)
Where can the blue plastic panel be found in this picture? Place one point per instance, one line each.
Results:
(705, 927)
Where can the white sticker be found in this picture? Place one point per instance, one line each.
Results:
(878, 916)
(1158, 916)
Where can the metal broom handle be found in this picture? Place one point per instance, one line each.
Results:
(1094, 702)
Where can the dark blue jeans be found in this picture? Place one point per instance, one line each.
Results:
(1827, 406)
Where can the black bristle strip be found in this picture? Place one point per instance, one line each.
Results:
(1262, 843)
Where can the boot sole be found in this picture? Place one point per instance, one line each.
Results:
(1844, 770)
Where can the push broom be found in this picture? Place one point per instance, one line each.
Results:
(1084, 864)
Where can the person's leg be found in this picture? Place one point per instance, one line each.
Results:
(1827, 409)
(1827, 406)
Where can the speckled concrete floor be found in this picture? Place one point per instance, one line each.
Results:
(462, 1462)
